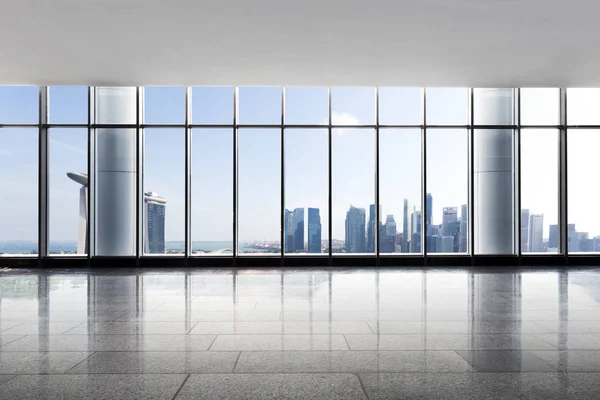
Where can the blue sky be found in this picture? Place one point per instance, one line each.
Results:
(305, 153)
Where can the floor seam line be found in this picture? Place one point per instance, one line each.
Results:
(236, 362)
(8, 380)
(362, 386)
(76, 365)
(181, 387)
(213, 342)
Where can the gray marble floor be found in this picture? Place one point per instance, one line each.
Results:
(300, 334)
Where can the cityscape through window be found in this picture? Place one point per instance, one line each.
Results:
(297, 171)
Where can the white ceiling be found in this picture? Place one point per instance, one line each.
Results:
(301, 42)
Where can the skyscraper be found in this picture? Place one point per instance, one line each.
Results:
(355, 230)
(572, 238)
(449, 216)
(405, 228)
(314, 230)
(288, 231)
(536, 233)
(464, 229)
(428, 209)
(154, 223)
(372, 228)
(298, 226)
(553, 238)
(387, 235)
(416, 222)
(525, 220)
(82, 242)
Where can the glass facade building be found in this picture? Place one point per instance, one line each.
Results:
(298, 172)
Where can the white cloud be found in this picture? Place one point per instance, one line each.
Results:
(344, 118)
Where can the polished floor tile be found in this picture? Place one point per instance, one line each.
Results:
(116, 362)
(506, 361)
(351, 361)
(96, 387)
(111, 343)
(478, 386)
(278, 342)
(451, 341)
(272, 386)
(39, 362)
(300, 333)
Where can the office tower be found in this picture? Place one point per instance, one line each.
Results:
(553, 238)
(154, 223)
(355, 230)
(573, 240)
(314, 230)
(115, 180)
(525, 220)
(82, 242)
(387, 235)
(493, 172)
(288, 231)
(536, 233)
(464, 229)
(416, 229)
(298, 226)
(405, 229)
(445, 244)
(428, 208)
(449, 217)
(371, 228)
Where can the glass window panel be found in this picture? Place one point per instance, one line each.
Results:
(494, 106)
(400, 200)
(164, 191)
(353, 174)
(400, 106)
(583, 231)
(19, 104)
(540, 106)
(212, 105)
(306, 105)
(448, 185)
(68, 104)
(447, 106)
(259, 105)
(116, 105)
(67, 191)
(582, 106)
(353, 106)
(164, 105)
(212, 192)
(539, 191)
(259, 191)
(306, 190)
(19, 199)
(494, 194)
(115, 191)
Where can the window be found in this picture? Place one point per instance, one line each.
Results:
(19, 199)
(540, 106)
(212, 105)
(400, 190)
(306, 214)
(353, 106)
(353, 174)
(68, 104)
(582, 106)
(163, 205)
(400, 106)
(259, 105)
(164, 105)
(259, 191)
(68, 188)
(447, 106)
(583, 233)
(306, 106)
(19, 105)
(212, 192)
(448, 191)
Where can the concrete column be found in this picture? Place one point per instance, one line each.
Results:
(115, 172)
(494, 172)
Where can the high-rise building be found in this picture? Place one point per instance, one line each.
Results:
(416, 222)
(372, 228)
(314, 230)
(428, 209)
(525, 220)
(355, 230)
(154, 223)
(572, 238)
(449, 217)
(553, 237)
(405, 228)
(445, 244)
(387, 236)
(288, 231)
(82, 236)
(536, 233)
(298, 226)
(464, 229)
